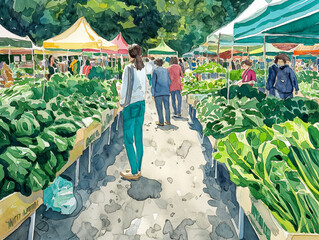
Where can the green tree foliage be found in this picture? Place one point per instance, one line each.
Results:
(182, 23)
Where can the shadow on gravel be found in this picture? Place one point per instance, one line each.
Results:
(221, 189)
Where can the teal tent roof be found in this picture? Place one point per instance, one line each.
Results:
(290, 21)
(226, 33)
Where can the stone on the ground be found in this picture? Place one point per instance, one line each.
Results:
(183, 150)
(223, 230)
(145, 188)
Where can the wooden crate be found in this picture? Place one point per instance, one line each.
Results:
(15, 209)
(108, 116)
(262, 220)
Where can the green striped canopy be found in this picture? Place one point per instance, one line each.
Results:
(289, 21)
(162, 49)
(8, 38)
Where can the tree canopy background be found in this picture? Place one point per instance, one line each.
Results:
(181, 23)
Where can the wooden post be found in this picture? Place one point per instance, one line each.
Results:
(247, 50)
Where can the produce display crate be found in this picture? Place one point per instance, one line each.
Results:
(15, 209)
(92, 133)
(265, 225)
(108, 116)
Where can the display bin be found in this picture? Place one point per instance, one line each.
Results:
(262, 220)
(108, 116)
(92, 133)
(15, 209)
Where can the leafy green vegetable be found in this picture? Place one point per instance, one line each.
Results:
(37, 179)
(64, 130)
(56, 141)
(280, 166)
(27, 125)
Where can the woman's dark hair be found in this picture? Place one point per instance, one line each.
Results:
(87, 62)
(173, 60)
(50, 59)
(180, 60)
(159, 62)
(246, 62)
(135, 52)
(283, 57)
(147, 60)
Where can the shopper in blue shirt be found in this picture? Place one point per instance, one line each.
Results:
(161, 92)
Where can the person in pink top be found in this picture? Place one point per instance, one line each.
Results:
(248, 76)
(175, 74)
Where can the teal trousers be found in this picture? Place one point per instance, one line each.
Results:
(133, 119)
(149, 77)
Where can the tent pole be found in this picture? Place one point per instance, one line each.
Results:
(67, 60)
(218, 46)
(33, 63)
(247, 50)
(101, 57)
(228, 75)
(80, 62)
(9, 53)
(265, 61)
(43, 62)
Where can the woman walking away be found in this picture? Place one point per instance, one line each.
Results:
(176, 73)
(248, 76)
(160, 92)
(133, 100)
(282, 80)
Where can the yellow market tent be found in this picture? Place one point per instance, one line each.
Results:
(79, 36)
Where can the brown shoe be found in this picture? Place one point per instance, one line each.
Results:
(168, 123)
(130, 176)
(159, 124)
(129, 171)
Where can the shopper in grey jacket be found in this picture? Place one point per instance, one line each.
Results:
(161, 92)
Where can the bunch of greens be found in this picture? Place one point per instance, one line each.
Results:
(211, 67)
(307, 76)
(277, 111)
(202, 87)
(247, 108)
(235, 75)
(309, 89)
(38, 130)
(280, 166)
(221, 118)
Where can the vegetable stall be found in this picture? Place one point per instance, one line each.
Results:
(45, 127)
(270, 147)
